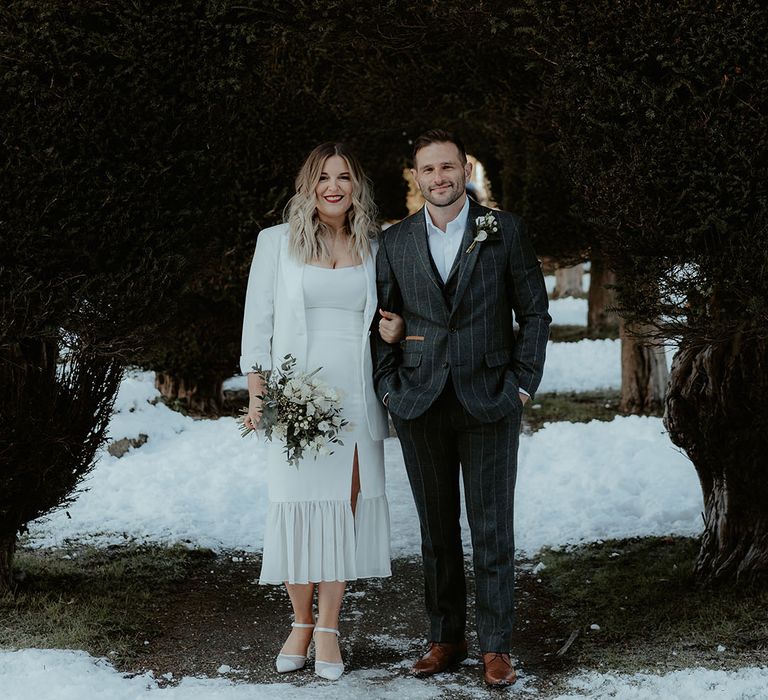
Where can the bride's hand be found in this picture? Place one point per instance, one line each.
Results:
(391, 327)
(253, 418)
(256, 388)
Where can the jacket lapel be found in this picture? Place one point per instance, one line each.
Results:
(293, 279)
(369, 267)
(465, 263)
(419, 241)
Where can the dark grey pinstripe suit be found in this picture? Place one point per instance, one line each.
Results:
(454, 400)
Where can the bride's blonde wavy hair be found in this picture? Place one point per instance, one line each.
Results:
(305, 238)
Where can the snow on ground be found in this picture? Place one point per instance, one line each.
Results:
(568, 311)
(687, 684)
(582, 366)
(198, 481)
(587, 481)
(31, 674)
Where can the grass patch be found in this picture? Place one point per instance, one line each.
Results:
(101, 600)
(650, 611)
(576, 407)
(573, 334)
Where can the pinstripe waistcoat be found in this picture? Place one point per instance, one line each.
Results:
(465, 328)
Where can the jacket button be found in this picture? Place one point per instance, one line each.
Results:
(452, 329)
(446, 365)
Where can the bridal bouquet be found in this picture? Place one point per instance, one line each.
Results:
(301, 410)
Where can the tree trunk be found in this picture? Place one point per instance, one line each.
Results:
(644, 373)
(200, 395)
(602, 320)
(717, 411)
(7, 550)
(568, 282)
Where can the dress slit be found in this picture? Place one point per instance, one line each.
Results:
(356, 488)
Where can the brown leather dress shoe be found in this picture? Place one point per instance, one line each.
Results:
(498, 670)
(439, 657)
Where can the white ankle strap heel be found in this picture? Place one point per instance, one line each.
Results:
(326, 669)
(285, 663)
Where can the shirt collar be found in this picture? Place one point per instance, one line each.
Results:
(459, 223)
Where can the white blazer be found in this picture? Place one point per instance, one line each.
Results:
(275, 324)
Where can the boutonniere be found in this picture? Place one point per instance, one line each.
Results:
(486, 227)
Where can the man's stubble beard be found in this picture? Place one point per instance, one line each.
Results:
(462, 188)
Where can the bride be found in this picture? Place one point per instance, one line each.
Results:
(312, 294)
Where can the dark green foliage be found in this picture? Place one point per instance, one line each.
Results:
(661, 112)
(144, 145)
(662, 115)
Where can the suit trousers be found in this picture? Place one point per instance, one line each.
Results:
(435, 446)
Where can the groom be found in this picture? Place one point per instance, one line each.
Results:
(460, 274)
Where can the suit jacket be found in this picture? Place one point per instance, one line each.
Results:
(275, 324)
(468, 335)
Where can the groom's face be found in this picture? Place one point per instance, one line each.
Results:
(440, 173)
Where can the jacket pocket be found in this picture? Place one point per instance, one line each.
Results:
(411, 359)
(497, 358)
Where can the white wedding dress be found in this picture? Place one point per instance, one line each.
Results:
(311, 534)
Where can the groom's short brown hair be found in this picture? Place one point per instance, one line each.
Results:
(439, 136)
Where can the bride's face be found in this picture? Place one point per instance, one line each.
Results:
(333, 193)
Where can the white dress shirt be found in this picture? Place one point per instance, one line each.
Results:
(444, 245)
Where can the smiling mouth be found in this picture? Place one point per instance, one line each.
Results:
(441, 188)
(333, 198)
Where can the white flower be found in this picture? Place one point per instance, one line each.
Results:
(323, 426)
(485, 225)
(310, 408)
(336, 420)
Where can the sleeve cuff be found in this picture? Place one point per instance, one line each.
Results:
(248, 362)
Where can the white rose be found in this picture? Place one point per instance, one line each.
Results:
(323, 426)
